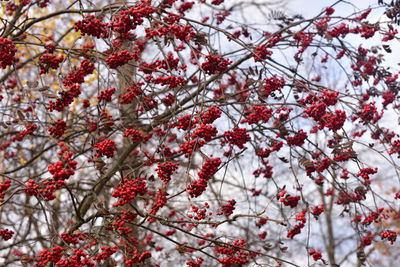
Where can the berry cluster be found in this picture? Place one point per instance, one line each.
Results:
(72, 83)
(330, 98)
(316, 111)
(316, 254)
(238, 137)
(228, 209)
(261, 53)
(3, 188)
(290, 201)
(211, 115)
(367, 240)
(70, 239)
(31, 188)
(364, 173)
(266, 170)
(198, 214)
(165, 170)
(129, 19)
(45, 256)
(195, 263)
(49, 61)
(61, 171)
(105, 254)
(79, 259)
(91, 25)
(168, 100)
(297, 228)
(272, 84)
(131, 92)
(258, 113)
(77, 77)
(191, 145)
(106, 95)
(341, 30)
(7, 52)
(215, 64)
(127, 191)
(58, 128)
(160, 202)
(119, 59)
(317, 211)
(172, 80)
(369, 114)
(136, 258)
(185, 122)
(334, 122)
(235, 256)
(6, 234)
(305, 39)
(29, 129)
(209, 168)
(264, 153)
(298, 139)
(135, 135)
(221, 16)
(389, 235)
(105, 148)
(205, 131)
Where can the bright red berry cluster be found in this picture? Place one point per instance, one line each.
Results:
(160, 202)
(70, 239)
(129, 19)
(195, 263)
(131, 92)
(136, 258)
(205, 131)
(58, 128)
(298, 139)
(135, 135)
(318, 210)
(105, 254)
(72, 83)
(105, 148)
(261, 53)
(272, 84)
(119, 59)
(3, 188)
(316, 254)
(228, 209)
(91, 25)
(209, 168)
(389, 235)
(238, 137)
(211, 115)
(257, 114)
(235, 256)
(127, 191)
(166, 169)
(106, 94)
(215, 64)
(297, 228)
(29, 129)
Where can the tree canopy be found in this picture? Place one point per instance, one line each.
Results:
(198, 133)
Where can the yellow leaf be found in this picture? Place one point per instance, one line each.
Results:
(22, 161)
